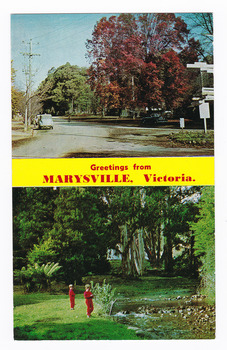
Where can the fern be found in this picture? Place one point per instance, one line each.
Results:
(37, 277)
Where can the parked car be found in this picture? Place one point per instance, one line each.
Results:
(153, 119)
(156, 118)
(44, 121)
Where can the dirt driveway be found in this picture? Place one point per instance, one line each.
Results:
(86, 139)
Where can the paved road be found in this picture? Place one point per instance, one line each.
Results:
(86, 139)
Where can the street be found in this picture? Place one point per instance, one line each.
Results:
(77, 139)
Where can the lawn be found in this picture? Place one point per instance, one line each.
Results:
(153, 307)
(41, 316)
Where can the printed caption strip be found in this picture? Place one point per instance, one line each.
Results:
(113, 172)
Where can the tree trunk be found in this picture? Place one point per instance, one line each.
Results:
(132, 252)
(168, 254)
(193, 259)
(159, 246)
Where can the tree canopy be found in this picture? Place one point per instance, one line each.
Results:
(76, 227)
(140, 60)
(65, 90)
(204, 234)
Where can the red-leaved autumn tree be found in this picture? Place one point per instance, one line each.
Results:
(139, 60)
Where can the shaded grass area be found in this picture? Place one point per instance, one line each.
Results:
(193, 139)
(160, 287)
(48, 317)
(92, 330)
(156, 287)
(34, 298)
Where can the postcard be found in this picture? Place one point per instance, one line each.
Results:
(113, 176)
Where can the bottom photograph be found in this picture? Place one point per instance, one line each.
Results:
(114, 263)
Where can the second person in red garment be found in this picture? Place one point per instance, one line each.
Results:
(88, 299)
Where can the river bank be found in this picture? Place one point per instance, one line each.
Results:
(180, 318)
(151, 307)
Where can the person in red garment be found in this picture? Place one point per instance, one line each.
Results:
(71, 297)
(88, 299)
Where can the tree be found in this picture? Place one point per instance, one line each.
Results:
(153, 224)
(65, 90)
(124, 207)
(201, 25)
(204, 228)
(76, 226)
(33, 216)
(204, 233)
(68, 226)
(17, 97)
(179, 209)
(79, 234)
(129, 57)
(166, 213)
(152, 220)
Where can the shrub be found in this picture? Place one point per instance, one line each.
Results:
(104, 296)
(36, 277)
(42, 253)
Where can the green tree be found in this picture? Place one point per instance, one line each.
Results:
(125, 225)
(33, 216)
(204, 233)
(154, 220)
(178, 209)
(153, 224)
(165, 215)
(65, 90)
(79, 235)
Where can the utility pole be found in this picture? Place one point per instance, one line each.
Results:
(30, 55)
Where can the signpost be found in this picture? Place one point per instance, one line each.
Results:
(207, 92)
(182, 123)
(204, 112)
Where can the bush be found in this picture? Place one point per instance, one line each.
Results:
(42, 253)
(104, 296)
(36, 277)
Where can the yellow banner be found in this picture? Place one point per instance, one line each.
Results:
(177, 171)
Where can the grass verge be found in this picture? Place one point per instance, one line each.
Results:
(193, 139)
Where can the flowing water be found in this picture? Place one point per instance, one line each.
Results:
(180, 318)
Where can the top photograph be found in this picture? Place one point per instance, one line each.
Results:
(109, 85)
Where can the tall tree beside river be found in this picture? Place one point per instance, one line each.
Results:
(204, 233)
(125, 225)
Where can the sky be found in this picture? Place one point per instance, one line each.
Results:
(57, 38)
